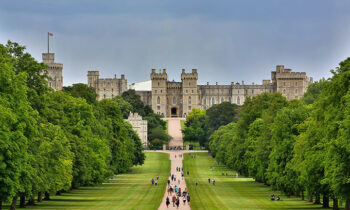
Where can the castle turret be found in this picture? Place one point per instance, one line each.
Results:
(159, 91)
(189, 91)
(54, 71)
(93, 77)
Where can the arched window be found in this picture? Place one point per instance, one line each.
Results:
(204, 101)
(212, 101)
(229, 99)
(284, 91)
(158, 84)
(174, 100)
(189, 99)
(222, 99)
(148, 100)
(158, 100)
(238, 100)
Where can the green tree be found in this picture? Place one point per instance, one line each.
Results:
(82, 91)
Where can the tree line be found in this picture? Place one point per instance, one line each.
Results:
(297, 147)
(55, 141)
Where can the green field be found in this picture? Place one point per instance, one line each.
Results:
(131, 190)
(230, 193)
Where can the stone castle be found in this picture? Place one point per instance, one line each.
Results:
(107, 87)
(54, 71)
(140, 126)
(176, 99)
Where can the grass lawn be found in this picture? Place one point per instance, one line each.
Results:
(131, 190)
(228, 192)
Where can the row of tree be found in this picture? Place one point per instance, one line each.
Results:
(295, 146)
(51, 142)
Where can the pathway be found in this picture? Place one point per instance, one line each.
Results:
(174, 130)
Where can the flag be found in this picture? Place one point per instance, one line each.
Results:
(50, 34)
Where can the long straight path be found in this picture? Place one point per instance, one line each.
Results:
(176, 157)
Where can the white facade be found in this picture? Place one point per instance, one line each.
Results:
(140, 126)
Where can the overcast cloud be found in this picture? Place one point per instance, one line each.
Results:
(225, 40)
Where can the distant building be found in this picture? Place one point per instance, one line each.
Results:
(176, 99)
(54, 71)
(107, 87)
(140, 126)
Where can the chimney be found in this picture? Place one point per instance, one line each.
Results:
(115, 76)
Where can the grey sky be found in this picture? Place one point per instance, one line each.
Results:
(226, 40)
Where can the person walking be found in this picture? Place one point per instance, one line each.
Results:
(209, 180)
(177, 202)
(174, 200)
(152, 181)
(188, 198)
(168, 182)
(213, 181)
(167, 202)
(196, 182)
(184, 200)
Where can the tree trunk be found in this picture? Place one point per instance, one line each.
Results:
(14, 202)
(325, 203)
(347, 204)
(310, 200)
(317, 199)
(40, 197)
(335, 204)
(22, 201)
(302, 195)
(31, 202)
(47, 196)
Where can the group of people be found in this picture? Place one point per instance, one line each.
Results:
(212, 181)
(155, 182)
(272, 197)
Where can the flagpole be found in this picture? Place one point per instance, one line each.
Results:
(48, 42)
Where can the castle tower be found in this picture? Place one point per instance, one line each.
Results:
(189, 91)
(93, 77)
(54, 71)
(159, 91)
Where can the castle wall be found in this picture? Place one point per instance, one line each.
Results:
(107, 87)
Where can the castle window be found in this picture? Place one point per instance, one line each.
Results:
(229, 99)
(284, 91)
(192, 91)
(296, 91)
(189, 100)
(174, 100)
(284, 84)
(158, 84)
(186, 91)
(252, 91)
(238, 100)
(161, 91)
(158, 107)
(222, 99)
(155, 91)
(212, 101)
(296, 83)
(204, 101)
(104, 95)
(189, 84)
(112, 89)
(147, 100)
(189, 108)
(112, 95)
(158, 100)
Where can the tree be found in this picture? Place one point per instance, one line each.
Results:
(82, 91)
(125, 106)
(313, 91)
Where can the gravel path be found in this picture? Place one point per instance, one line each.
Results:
(174, 130)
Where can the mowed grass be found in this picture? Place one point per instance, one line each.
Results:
(132, 190)
(228, 192)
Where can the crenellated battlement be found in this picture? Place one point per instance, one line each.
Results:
(189, 76)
